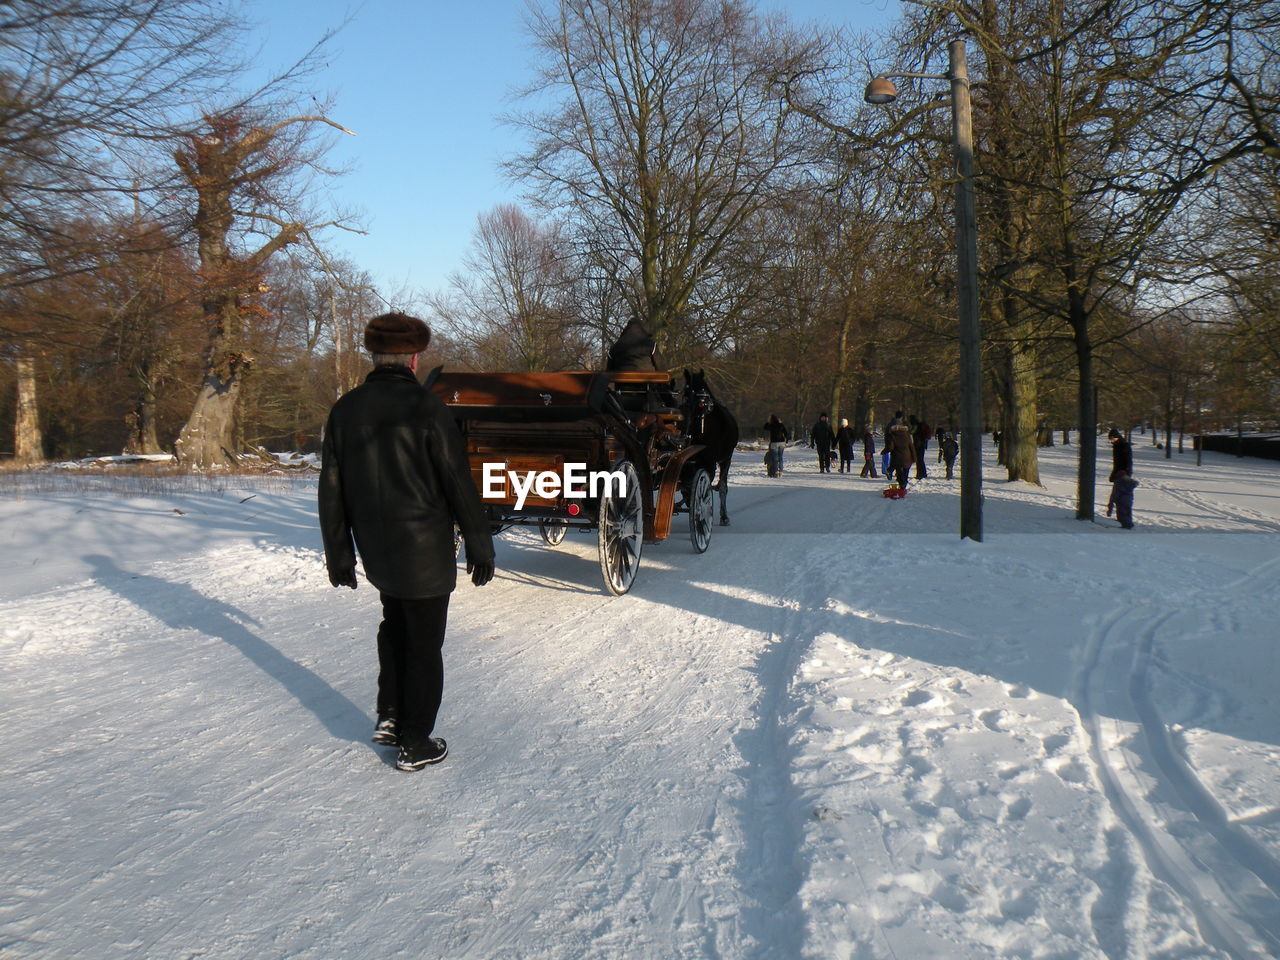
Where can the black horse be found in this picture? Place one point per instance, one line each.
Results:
(713, 426)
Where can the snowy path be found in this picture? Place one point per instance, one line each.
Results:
(841, 733)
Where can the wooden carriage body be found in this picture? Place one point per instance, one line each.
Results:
(606, 420)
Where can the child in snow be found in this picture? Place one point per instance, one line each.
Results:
(1122, 499)
(949, 449)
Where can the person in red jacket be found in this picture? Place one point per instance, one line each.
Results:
(394, 480)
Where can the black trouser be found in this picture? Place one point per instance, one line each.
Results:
(900, 470)
(824, 459)
(410, 664)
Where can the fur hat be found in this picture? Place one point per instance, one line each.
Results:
(396, 333)
(1114, 434)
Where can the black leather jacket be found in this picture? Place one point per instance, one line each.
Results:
(395, 477)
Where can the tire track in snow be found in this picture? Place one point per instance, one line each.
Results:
(1235, 915)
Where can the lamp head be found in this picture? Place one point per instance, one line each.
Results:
(880, 90)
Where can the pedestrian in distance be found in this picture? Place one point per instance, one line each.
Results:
(1121, 454)
(1122, 499)
(394, 480)
(844, 443)
(901, 453)
(949, 449)
(886, 453)
(778, 436)
(868, 452)
(921, 434)
(823, 438)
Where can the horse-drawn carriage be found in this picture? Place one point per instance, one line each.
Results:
(609, 450)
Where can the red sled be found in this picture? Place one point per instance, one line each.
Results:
(895, 493)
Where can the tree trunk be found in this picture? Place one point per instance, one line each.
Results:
(28, 442)
(1086, 403)
(1182, 417)
(1021, 434)
(842, 359)
(205, 440)
(142, 438)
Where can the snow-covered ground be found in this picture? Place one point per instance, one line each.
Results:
(841, 733)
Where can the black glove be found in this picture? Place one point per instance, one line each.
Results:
(481, 571)
(343, 578)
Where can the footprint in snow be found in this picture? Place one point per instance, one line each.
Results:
(992, 719)
(1070, 770)
(919, 698)
(920, 767)
(1052, 744)
(1017, 809)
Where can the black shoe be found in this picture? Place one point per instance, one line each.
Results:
(415, 758)
(387, 732)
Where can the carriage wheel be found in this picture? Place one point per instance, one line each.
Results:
(621, 529)
(553, 531)
(698, 499)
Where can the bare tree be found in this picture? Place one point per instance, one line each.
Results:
(80, 82)
(81, 85)
(512, 303)
(662, 141)
(245, 172)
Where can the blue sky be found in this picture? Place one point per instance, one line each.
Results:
(422, 83)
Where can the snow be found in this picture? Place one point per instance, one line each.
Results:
(842, 732)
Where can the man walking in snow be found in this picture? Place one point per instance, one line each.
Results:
(921, 434)
(823, 438)
(1121, 455)
(393, 482)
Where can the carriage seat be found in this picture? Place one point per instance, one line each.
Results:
(643, 391)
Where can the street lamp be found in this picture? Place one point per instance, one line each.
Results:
(881, 91)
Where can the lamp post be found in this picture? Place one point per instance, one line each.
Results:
(881, 91)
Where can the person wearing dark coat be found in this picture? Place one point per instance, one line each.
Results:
(949, 448)
(921, 434)
(823, 438)
(886, 453)
(1121, 455)
(844, 444)
(901, 453)
(1122, 499)
(778, 437)
(394, 480)
(635, 349)
(869, 452)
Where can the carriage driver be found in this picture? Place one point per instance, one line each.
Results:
(394, 480)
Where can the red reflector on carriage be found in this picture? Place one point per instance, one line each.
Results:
(574, 509)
